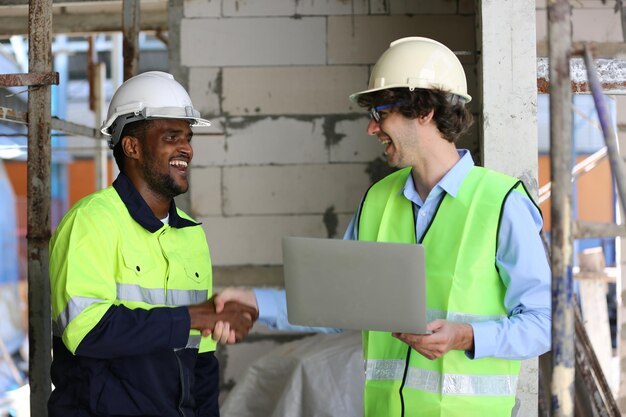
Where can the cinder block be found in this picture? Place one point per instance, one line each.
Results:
(471, 75)
(423, 6)
(208, 150)
(291, 90)
(293, 189)
(354, 145)
(331, 7)
(206, 191)
(351, 40)
(253, 41)
(578, 4)
(468, 7)
(205, 90)
(241, 8)
(201, 8)
(379, 7)
(253, 141)
(247, 276)
(257, 240)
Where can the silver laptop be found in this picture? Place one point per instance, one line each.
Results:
(355, 284)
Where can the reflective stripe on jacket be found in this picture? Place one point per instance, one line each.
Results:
(463, 285)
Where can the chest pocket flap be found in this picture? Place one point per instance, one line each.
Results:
(137, 265)
(197, 266)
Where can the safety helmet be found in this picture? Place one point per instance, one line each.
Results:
(418, 63)
(150, 95)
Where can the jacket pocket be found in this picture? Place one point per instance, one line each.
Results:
(137, 265)
(197, 267)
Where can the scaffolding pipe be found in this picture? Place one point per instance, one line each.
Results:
(563, 359)
(38, 217)
(101, 154)
(610, 136)
(130, 23)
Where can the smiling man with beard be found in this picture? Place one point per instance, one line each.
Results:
(131, 275)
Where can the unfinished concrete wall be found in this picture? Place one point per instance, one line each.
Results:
(291, 155)
(288, 153)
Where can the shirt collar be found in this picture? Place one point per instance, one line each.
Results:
(450, 183)
(141, 212)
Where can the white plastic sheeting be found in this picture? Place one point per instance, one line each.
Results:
(318, 376)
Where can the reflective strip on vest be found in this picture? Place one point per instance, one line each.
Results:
(135, 293)
(460, 317)
(446, 384)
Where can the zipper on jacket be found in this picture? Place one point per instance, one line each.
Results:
(182, 385)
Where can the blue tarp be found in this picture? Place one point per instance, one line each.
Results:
(10, 325)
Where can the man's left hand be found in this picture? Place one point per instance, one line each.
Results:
(446, 336)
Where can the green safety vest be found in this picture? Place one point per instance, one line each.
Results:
(100, 256)
(462, 285)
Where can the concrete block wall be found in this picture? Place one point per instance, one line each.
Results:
(288, 153)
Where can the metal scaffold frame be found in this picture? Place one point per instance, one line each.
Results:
(572, 353)
(40, 123)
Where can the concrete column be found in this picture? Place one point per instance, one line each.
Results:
(507, 79)
(508, 128)
(181, 74)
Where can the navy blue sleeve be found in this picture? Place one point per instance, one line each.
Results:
(206, 386)
(126, 332)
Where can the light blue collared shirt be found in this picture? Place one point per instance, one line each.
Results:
(521, 259)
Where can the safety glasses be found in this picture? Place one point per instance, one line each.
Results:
(374, 110)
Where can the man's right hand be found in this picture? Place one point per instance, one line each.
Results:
(222, 332)
(236, 319)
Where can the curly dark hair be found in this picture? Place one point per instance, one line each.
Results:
(451, 116)
(134, 129)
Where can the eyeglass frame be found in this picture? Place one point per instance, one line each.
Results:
(374, 110)
(452, 98)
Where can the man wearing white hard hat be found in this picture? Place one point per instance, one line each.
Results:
(488, 277)
(130, 274)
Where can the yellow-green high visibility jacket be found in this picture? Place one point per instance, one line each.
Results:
(462, 285)
(120, 281)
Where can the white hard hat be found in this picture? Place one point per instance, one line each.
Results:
(418, 63)
(150, 95)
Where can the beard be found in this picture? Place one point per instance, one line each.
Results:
(159, 182)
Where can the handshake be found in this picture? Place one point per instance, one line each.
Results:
(226, 320)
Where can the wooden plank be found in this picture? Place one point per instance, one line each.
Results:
(29, 79)
(84, 23)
